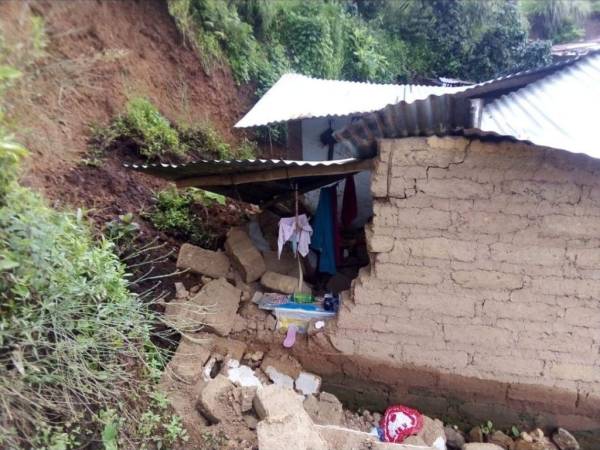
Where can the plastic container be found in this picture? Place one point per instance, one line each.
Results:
(299, 315)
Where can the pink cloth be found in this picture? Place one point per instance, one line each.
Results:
(296, 230)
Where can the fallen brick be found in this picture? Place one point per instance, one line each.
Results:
(209, 402)
(348, 439)
(274, 402)
(189, 359)
(324, 410)
(246, 259)
(282, 283)
(215, 306)
(203, 261)
(308, 383)
(283, 363)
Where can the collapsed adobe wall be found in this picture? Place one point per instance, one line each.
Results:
(485, 272)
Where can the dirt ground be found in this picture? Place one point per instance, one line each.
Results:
(99, 54)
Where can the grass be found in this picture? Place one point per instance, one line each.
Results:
(155, 138)
(77, 362)
(149, 129)
(175, 213)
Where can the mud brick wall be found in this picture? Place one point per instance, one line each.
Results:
(485, 263)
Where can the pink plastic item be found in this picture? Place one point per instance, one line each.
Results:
(290, 337)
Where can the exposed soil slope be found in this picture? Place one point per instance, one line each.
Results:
(98, 54)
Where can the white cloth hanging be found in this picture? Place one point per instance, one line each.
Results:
(297, 230)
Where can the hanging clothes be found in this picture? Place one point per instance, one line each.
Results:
(349, 204)
(323, 239)
(337, 229)
(296, 230)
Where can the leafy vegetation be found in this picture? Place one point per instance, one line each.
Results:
(73, 338)
(144, 128)
(558, 20)
(206, 140)
(179, 214)
(150, 130)
(374, 40)
(77, 363)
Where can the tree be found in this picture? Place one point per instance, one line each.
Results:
(556, 20)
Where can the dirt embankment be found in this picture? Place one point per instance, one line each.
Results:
(97, 55)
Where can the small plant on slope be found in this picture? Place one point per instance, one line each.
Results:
(152, 131)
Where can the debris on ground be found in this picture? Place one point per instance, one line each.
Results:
(214, 306)
(246, 258)
(214, 264)
(257, 395)
(286, 284)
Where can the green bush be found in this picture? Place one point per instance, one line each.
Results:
(73, 339)
(75, 343)
(206, 140)
(383, 41)
(153, 133)
(177, 213)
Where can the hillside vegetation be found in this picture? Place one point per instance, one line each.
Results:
(372, 40)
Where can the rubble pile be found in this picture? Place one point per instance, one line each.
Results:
(267, 401)
(262, 398)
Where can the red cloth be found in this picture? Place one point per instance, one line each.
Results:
(399, 422)
(349, 205)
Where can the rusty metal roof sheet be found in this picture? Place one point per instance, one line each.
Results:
(552, 106)
(296, 96)
(258, 181)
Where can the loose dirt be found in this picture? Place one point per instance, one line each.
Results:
(99, 54)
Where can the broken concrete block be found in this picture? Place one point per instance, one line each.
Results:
(250, 421)
(188, 361)
(308, 383)
(454, 438)
(246, 259)
(433, 432)
(209, 402)
(415, 440)
(349, 439)
(283, 363)
(290, 433)
(285, 423)
(215, 306)
(246, 395)
(278, 378)
(282, 283)
(241, 375)
(481, 446)
(203, 261)
(225, 346)
(325, 410)
(181, 293)
(275, 403)
(565, 440)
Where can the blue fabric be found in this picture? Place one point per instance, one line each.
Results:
(323, 233)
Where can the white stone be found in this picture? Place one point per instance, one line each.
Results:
(241, 375)
(308, 383)
(278, 378)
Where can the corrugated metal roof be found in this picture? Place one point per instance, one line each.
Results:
(296, 96)
(204, 167)
(552, 106)
(258, 181)
(560, 111)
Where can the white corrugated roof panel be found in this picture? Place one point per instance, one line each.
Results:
(558, 111)
(297, 96)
